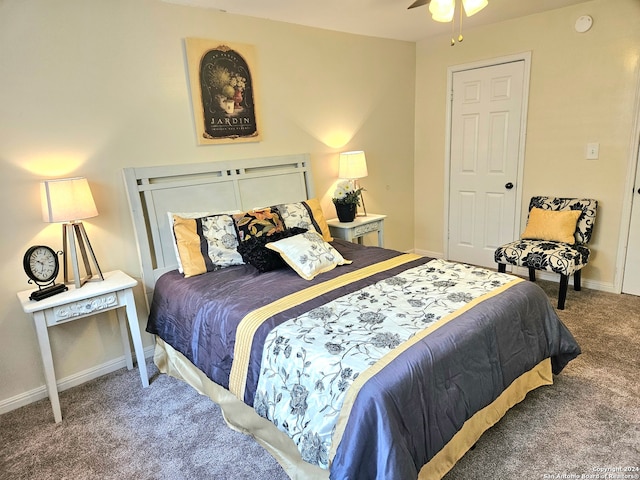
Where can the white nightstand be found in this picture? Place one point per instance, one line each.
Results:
(93, 297)
(358, 228)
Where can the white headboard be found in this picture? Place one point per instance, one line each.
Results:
(205, 187)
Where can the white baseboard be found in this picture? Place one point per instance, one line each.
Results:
(427, 253)
(68, 382)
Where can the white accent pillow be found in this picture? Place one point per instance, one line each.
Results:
(308, 254)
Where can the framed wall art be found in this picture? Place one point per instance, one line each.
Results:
(222, 78)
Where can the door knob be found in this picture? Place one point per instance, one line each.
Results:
(639, 191)
(509, 186)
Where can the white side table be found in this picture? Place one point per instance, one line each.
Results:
(113, 292)
(360, 226)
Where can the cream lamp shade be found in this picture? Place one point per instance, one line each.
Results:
(67, 200)
(353, 165)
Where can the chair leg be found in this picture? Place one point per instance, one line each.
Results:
(502, 267)
(562, 295)
(532, 274)
(576, 280)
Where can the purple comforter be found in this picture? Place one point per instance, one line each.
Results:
(405, 414)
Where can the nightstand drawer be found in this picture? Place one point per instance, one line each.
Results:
(367, 228)
(81, 308)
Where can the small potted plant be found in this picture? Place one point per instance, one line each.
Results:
(346, 199)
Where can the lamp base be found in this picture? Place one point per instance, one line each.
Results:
(356, 185)
(364, 207)
(72, 234)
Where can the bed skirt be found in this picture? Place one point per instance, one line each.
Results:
(243, 418)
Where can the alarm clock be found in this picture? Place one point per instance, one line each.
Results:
(41, 266)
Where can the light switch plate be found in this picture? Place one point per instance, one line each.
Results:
(593, 151)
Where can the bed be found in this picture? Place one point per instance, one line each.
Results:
(343, 361)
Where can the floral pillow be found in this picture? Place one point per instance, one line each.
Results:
(307, 215)
(206, 244)
(258, 223)
(254, 251)
(308, 254)
(189, 215)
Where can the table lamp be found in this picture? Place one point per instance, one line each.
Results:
(69, 200)
(353, 166)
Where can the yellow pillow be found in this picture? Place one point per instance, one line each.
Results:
(318, 216)
(554, 225)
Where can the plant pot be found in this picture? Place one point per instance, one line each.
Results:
(346, 212)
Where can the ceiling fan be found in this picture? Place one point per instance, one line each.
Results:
(418, 3)
(443, 11)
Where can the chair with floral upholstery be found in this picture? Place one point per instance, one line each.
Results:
(555, 240)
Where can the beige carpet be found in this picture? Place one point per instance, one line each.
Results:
(114, 429)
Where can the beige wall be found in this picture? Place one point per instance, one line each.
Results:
(91, 86)
(582, 89)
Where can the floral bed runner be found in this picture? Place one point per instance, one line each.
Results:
(310, 361)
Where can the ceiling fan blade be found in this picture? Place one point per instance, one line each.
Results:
(418, 3)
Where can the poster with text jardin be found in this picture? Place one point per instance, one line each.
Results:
(223, 91)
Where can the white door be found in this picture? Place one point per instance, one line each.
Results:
(631, 278)
(486, 122)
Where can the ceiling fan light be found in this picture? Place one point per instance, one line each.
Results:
(442, 10)
(471, 7)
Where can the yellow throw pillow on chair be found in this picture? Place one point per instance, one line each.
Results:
(553, 225)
